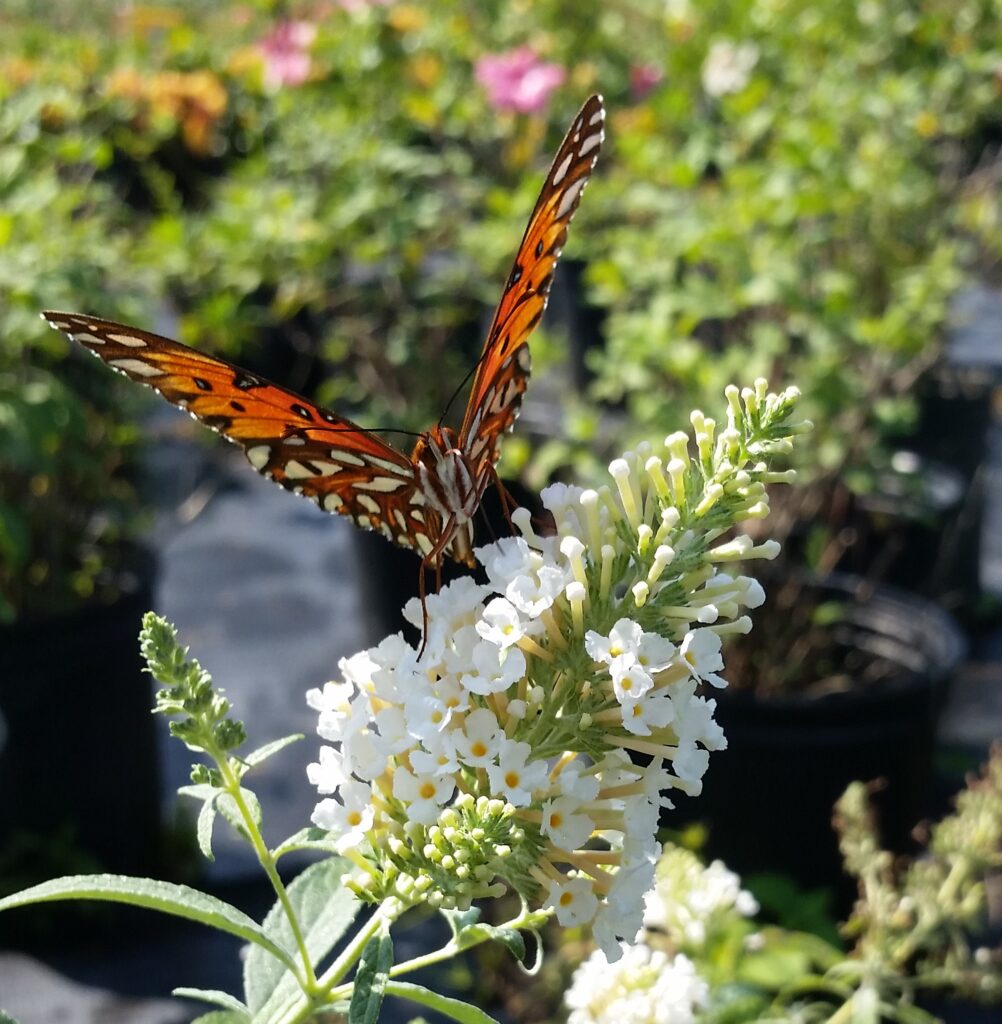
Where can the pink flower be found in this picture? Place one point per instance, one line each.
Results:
(518, 80)
(354, 6)
(643, 78)
(286, 53)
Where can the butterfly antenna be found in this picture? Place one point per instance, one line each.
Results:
(462, 384)
(374, 430)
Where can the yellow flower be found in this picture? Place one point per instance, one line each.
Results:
(407, 18)
(926, 124)
(425, 69)
(145, 19)
(245, 61)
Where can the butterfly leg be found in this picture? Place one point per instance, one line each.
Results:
(433, 560)
(508, 503)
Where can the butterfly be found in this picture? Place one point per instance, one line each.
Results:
(425, 500)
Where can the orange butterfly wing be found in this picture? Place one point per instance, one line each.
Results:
(503, 370)
(313, 451)
(301, 446)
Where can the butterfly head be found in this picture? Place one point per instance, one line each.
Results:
(449, 483)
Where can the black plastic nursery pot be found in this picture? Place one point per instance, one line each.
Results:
(920, 529)
(79, 780)
(768, 797)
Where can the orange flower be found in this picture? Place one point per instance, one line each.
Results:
(125, 83)
(18, 71)
(193, 99)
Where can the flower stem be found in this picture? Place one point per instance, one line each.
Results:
(308, 980)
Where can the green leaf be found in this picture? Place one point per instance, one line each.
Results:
(307, 839)
(6, 1018)
(211, 995)
(206, 819)
(179, 900)
(459, 920)
(263, 753)
(324, 909)
(226, 805)
(370, 980)
(221, 1017)
(908, 1014)
(466, 932)
(475, 934)
(446, 1005)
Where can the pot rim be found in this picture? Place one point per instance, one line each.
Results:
(935, 637)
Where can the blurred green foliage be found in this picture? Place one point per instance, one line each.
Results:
(322, 191)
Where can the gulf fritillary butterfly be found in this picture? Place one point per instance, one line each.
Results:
(426, 500)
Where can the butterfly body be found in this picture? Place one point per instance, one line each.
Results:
(452, 486)
(426, 500)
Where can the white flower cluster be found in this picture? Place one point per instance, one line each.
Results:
(646, 986)
(531, 742)
(688, 898)
(728, 66)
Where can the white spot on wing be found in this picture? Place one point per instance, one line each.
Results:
(567, 200)
(392, 467)
(364, 521)
(332, 502)
(590, 143)
(136, 366)
(346, 457)
(294, 440)
(423, 543)
(561, 172)
(258, 456)
(379, 483)
(87, 338)
(369, 504)
(129, 340)
(297, 471)
(597, 118)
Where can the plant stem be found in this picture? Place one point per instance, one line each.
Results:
(308, 982)
(384, 916)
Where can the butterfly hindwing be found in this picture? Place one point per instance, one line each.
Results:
(503, 371)
(298, 444)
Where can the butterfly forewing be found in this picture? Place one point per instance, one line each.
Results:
(503, 370)
(344, 468)
(300, 445)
